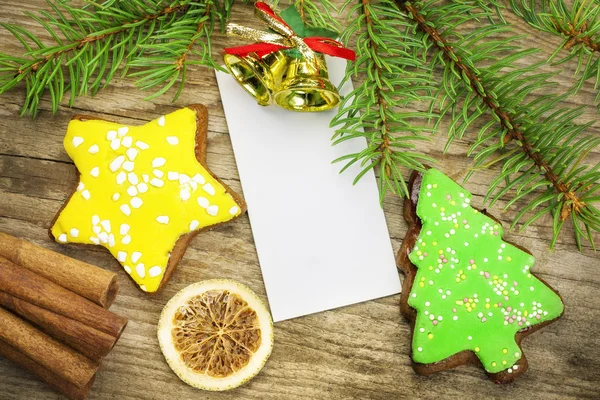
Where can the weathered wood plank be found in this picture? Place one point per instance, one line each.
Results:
(361, 351)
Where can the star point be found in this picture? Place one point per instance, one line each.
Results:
(131, 197)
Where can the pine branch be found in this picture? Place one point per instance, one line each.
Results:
(578, 24)
(91, 44)
(319, 13)
(538, 151)
(169, 53)
(376, 109)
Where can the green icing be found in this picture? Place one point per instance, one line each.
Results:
(472, 290)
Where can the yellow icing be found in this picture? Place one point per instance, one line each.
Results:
(174, 193)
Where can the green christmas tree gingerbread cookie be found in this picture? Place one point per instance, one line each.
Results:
(471, 291)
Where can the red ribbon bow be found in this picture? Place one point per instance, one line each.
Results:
(285, 38)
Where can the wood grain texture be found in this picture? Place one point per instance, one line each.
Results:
(361, 351)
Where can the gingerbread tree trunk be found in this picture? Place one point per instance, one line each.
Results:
(472, 291)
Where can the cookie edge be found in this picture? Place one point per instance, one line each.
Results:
(465, 357)
(182, 243)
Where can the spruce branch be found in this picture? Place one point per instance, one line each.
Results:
(158, 38)
(316, 13)
(319, 13)
(578, 24)
(166, 57)
(541, 153)
(392, 77)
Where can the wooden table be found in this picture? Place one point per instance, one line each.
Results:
(361, 351)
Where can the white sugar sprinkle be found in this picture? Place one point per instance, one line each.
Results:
(122, 256)
(94, 240)
(128, 166)
(115, 144)
(140, 270)
(161, 121)
(143, 287)
(116, 163)
(111, 240)
(203, 202)
(74, 232)
(184, 179)
(106, 225)
(126, 142)
(125, 209)
(95, 172)
(86, 194)
(163, 219)
(124, 229)
(135, 256)
(132, 153)
(94, 149)
(199, 179)
(157, 182)
(121, 177)
(136, 202)
(193, 225)
(111, 135)
(95, 219)
(62, 238)
(123, 131)
(213, 210)
(77, 141)
(127, 269)
(141, 145)
(80, 186)
(126, 239)
(132, 191)
(208, 188)
(172, 176)
(234, 210)
(158, 173)
(172, 140)
(103, 236)
(158, 162)
(132, 178)
(154, 271)
(146, 178)
(184, 194)
(142, 187)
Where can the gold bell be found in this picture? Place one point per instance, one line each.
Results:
(306, 87)
(258, 76)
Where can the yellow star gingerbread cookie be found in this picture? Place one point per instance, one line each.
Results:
(144, 191)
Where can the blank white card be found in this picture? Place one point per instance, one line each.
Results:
(322, 243)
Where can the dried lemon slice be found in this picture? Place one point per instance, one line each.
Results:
(216, 334)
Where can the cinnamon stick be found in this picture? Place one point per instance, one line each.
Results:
(89, 281)
(88, 341)
(44, 374)
(61, 360)
(37, 290)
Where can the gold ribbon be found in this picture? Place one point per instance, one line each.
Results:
(284, 35)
